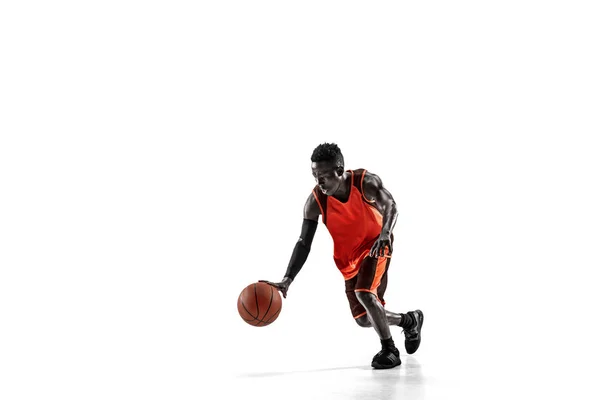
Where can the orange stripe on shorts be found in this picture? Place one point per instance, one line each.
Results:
(379, 271)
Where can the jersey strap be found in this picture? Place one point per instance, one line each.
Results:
(322, 202)
(357, 181)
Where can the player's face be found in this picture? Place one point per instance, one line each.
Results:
(326, 175)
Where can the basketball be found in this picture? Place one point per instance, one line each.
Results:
(259, 304)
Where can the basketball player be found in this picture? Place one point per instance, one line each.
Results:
(360, 215)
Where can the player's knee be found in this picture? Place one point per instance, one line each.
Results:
(366, 298)
(363, 321)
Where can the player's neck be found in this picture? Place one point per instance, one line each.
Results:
(343, 191)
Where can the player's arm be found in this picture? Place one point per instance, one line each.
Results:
(302, 247)
(307, 233)
(384, 201)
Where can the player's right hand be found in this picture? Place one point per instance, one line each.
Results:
(281, 286)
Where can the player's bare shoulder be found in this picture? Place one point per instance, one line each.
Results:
(374, 189)
(371, 185)
(311, 208)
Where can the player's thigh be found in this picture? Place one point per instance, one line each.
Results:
(356, 308)
(372, 275)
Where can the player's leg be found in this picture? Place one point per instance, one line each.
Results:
(368, 280)
(375, 314)
(411, 322)
(392, 318)
(360, 313)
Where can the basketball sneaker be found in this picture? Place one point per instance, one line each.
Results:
(412, 335)
(386, 358)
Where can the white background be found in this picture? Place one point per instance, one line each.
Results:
(155, 159)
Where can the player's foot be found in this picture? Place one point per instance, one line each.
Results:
(386, 358)
(412, 335)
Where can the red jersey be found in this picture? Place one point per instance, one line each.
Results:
(354, 225)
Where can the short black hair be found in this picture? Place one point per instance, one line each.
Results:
(328, 152)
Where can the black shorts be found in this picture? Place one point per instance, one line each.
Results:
(371, 277)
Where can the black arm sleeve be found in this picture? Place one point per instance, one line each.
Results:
(302, 248)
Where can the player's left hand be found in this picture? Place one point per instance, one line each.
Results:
(378, 249)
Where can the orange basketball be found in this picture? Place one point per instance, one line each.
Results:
(259, 304)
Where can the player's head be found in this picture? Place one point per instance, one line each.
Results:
(328, 167)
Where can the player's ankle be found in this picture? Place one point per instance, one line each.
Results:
(388, 344)
(407, 321)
